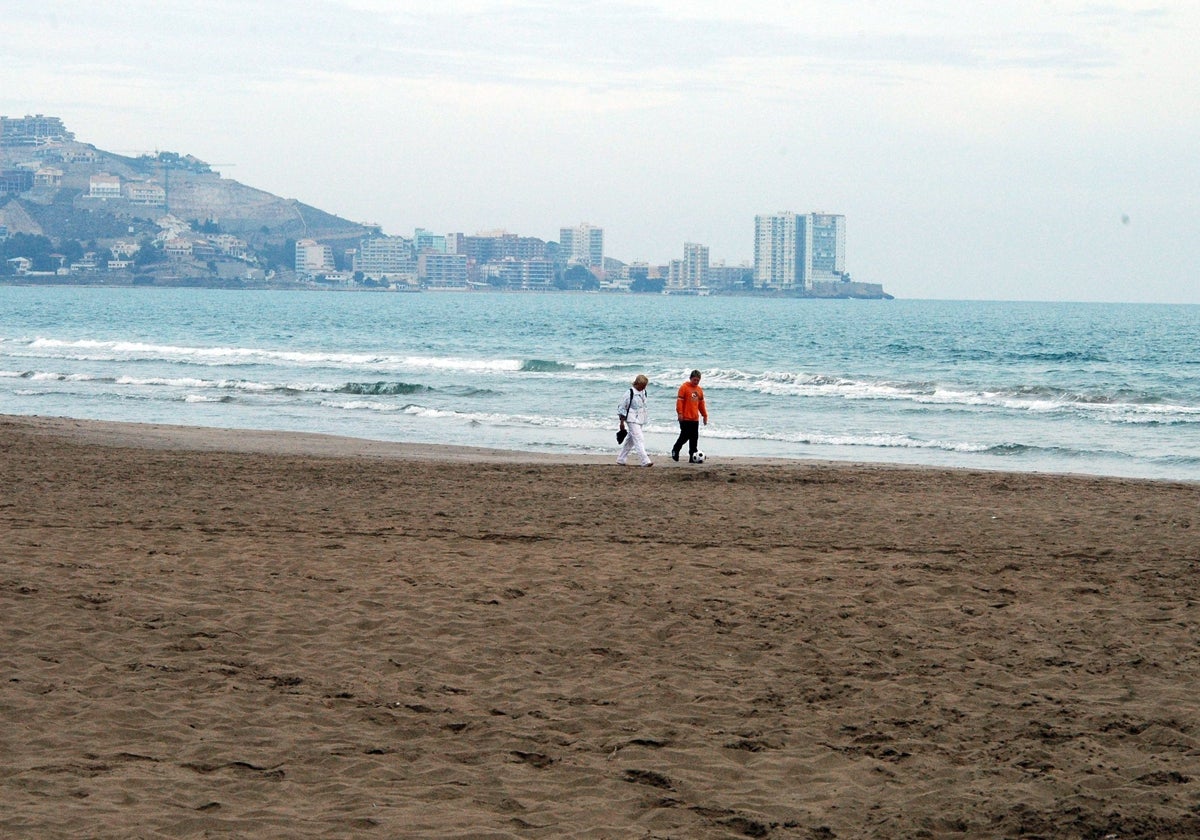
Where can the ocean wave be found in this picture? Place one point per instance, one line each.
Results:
(480, 418)
(1119, 405)
(901, 441)
(545, 366)
(1058, 356)
(197, 383)
(607, 365)
(94, 350)
(587, 367)
(380, 388)
(128, 351)
(50, 376)
(875, 440)
(383, 388)
(206, 398)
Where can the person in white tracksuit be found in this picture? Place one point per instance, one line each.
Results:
(632, 414)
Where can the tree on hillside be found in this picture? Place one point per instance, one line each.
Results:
(279, 255)
(207, 226)
(71, 250)
(578, 277)
(33, 247)
(148, 253)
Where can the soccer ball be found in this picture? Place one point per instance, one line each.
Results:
(698, 458)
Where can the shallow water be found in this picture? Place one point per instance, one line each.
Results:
(1109, 389)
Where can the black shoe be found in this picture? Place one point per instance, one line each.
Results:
(674, 454)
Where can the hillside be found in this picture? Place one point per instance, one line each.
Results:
(54, 200)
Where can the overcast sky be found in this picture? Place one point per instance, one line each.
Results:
(1015, 150)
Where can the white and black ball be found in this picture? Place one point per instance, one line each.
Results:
(697, 458)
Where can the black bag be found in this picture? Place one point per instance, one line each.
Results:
(621, 433)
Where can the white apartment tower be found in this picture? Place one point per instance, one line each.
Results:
(583, 244)
(792, 251)
(695, 265)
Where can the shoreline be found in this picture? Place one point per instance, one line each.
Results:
(165, 436)
(212, 632)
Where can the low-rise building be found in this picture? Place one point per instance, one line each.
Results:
(144, 192)
(79, 154)
(178, 248)
(511, 273)
(313, 258)
(103, 185)
(721, 276)
(48, 176)
(229, 245)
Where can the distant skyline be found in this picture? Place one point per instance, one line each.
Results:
(1025, 150)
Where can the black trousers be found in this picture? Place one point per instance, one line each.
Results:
(689, 433)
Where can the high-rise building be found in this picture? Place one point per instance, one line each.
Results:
(826, 247)
(695, 266)
(791, 251)
(776, 241)
(384, 256)
(583, 244)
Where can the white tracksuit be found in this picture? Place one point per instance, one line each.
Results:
(633, 409)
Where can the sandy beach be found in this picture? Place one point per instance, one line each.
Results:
(209, 633)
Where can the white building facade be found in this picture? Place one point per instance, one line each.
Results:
(694, 274)
(103, 185)
(792, 251)
(313, 258)
(582, 244)
(385, 256)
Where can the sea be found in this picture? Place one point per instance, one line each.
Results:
(1092, 388)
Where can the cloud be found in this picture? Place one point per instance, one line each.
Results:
(668, 120)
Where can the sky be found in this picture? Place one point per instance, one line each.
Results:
(1015, 150)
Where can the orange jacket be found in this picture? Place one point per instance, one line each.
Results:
(689, 402)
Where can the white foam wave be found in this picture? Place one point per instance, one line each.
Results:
(804, 385)
(879, 440)
(193, 382)
(94, 350)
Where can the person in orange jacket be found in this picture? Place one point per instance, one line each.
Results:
(689, 408)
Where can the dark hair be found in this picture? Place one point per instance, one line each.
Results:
(694, 373)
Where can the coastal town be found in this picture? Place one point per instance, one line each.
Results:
(72, 213)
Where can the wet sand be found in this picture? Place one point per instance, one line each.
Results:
(209, 633)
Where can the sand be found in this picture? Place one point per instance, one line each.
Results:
(210, 633)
